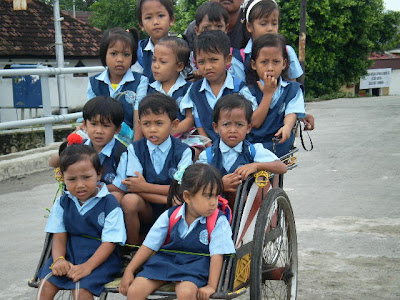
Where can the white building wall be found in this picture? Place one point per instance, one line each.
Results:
(394, 88)
(75, 88)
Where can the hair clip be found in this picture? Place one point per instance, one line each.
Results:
(179, 174)
(74, 138)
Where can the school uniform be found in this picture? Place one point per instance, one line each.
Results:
(287, 98)
(145, 57)
(202, 100)
(295, 69)
(227, 159)
(169, 266)
(154, 162)
(177, 91)
(101, 219)
(109, 156)
(100, 85)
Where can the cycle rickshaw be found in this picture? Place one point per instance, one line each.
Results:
(265, 237)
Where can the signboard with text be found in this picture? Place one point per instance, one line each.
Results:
(376, 78)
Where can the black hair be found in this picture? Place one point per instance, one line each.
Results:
(78, 152)
(267, 40)
(168, 4)
(112, 35)
(214, 10)
(197, 177)
(158, 103)
(63, 145)
(179, 46)
(262, 9)
(106, 107)
(230, 102)
(212, 41)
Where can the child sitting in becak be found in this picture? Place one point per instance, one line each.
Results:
(144, 175)
(231, 153)
(213, 16)
(102, 119)
(212, 54)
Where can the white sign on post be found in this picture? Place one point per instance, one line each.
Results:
(376, 78)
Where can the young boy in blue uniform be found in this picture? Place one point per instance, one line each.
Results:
(102, 119)
(145, 173)
(212, 54)
(231, 153)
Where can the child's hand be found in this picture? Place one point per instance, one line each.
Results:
(61, 267)
(309, 122)
(231, 182)
(245, 170)
(77, 272)
(135, 184)
(284, 132)
(126, 281)
(205, 292)
(270, 84)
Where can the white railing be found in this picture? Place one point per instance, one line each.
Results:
(48, 119)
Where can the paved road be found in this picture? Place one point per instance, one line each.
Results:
(344, 194)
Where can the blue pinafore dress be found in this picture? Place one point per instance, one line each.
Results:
(175, 267)
(80, 248)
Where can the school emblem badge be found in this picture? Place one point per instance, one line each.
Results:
(101, 219)
(203, 237)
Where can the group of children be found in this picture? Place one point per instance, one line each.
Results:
(245, 103)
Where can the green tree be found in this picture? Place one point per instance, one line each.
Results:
(184, 13)
(341, 34)
(68, 4)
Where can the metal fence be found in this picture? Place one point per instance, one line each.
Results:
(48, 118)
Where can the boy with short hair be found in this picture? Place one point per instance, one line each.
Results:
(145, 174)
(102, 119)
(231, 153)
(213, 16)
(212, 54)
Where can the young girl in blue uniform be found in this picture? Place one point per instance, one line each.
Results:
(171, 57)
(279, 101)
(87, 223)
(155, 17)
(196, 276)
(118, 52)
(262, 17)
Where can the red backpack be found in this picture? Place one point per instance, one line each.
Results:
(211, 220)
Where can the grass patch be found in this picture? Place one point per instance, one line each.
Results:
(337, 95)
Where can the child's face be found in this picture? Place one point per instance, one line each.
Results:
(81, 179)
(100, 134)
(157, 128)
(165, 66)
(232, 126)
(270, 61)
(155, 20)
(207, 25)
(212, 66)
(203, 203)
(264, 25)
(118, 60)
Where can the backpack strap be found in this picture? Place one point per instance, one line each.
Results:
(252, 150)
(209, 155)
(211, 221)
(172, 221)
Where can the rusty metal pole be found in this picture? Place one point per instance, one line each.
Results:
(302, 38)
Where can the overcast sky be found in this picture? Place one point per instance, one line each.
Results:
(392, 4)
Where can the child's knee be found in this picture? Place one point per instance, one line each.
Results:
(131, 203)
(186, 290)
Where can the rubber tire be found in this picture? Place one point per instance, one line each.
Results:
(275, 201)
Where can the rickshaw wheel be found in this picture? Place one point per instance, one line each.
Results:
(67, 295)
(273, 269)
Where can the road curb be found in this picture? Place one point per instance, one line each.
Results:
(26, 162)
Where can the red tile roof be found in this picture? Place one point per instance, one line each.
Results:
(30, 33)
